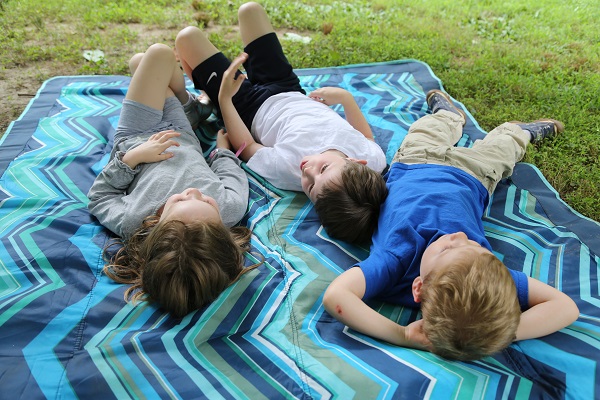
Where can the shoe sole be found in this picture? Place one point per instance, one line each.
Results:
(444, 95)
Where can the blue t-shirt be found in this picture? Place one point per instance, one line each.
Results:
(425, 201)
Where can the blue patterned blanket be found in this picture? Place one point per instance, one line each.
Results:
(67, 333)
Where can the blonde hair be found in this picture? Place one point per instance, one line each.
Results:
(180, 266)
(470, 309)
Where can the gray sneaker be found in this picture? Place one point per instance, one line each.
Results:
(542, 128)
(197, 110)
(438, 100)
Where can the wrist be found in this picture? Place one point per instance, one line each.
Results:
(402, 335)
(224, 100)
(214, 153)
(217, 152)
(129, 160)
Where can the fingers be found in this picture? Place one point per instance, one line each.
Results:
(164, 140)
(223, 140)
(164, 135)
(232, 83)
(238, 82)
(168, 144)
(318, 95)
(234, 66)
(238, 61)
(164, 156)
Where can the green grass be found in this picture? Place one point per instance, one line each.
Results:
(515, 59)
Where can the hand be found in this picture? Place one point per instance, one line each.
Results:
(223, 140)
(416, 337)
(230, 84)
(153, 150)
(330, 95)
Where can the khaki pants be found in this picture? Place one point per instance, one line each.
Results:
(431, 140)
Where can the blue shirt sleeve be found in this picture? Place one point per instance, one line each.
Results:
(522, 288)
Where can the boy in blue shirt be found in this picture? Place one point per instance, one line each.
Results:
(430, 248)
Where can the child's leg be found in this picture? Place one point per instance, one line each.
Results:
(203, 62)
(193, 48)
(254, 22)
(176, 84)
(152, 76)
(429, 138)
(267, 64)
(494, 157)
(134, 62)
(143, 106)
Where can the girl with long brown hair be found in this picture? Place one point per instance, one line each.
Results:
(173, 211)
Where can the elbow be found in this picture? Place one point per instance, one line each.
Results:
(240, 212)
(241, 209)
(237, 206)
(331, 301)
(573, 312)
(569, 309)
(328, 299)
(93, 207)
(233, 217)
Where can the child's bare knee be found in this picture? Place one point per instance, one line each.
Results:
(249, 8)
(134, 61)
(160, 51)
(187, 34)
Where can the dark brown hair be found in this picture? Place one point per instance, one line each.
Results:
(349, 209)
(180, 266)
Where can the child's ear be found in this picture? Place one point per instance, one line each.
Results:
(416, 289)
(363, 162)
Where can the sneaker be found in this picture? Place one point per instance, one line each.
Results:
(438, 100)
(197, 109)
(541, 129)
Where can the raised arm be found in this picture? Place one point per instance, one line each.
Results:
(355, 117)
(233, 200)
(238, 134)
(550, 310)
(343, 300)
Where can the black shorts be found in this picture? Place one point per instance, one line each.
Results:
(267, 69)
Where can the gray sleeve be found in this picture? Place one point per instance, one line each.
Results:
(108, 192)
(234, 199)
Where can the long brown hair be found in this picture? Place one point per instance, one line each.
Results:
(180, 266)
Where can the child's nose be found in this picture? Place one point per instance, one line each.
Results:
(308, 171)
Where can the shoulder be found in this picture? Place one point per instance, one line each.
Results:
(522, 284)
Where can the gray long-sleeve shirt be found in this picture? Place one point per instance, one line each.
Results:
(122, 197)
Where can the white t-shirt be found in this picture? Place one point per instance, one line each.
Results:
(292, 126)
